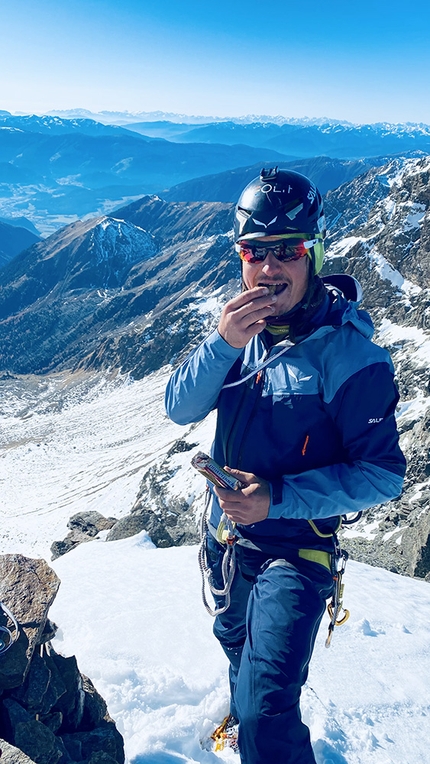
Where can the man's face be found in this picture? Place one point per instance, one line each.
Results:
(291, 278)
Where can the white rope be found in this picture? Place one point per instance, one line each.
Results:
(259, 368)
(228, 568)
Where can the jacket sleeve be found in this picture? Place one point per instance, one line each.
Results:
(363, 410)
(193, 389)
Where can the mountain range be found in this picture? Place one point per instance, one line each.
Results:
(135, 290)
(14, 239)
(336, 140)
(54, 171)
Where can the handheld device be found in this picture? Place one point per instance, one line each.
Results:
(214, 473)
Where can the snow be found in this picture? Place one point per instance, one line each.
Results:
(391, 334)
(132, 614)
(386, 271)
(414, 217)
(72, 445)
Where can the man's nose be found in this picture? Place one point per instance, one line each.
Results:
(271, 264)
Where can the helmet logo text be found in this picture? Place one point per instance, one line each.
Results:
(267, 188)
(312, 193)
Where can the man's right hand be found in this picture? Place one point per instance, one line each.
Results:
(243, 316)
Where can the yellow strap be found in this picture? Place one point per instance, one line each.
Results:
(316, 555)
(324, 535)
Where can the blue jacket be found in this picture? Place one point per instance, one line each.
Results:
(317, 422)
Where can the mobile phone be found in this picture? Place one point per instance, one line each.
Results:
(214, 473)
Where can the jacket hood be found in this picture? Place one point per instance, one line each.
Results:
(345, 295)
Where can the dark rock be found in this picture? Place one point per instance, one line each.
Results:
(84, 527)
(32, 691)
(38, 742)
(142, 521)
(56, 687)
(53, 721)
(27, 587)
(12, 713)
(104, 738)
(48, 633)
(73, 746)
(180, 447)
(90, 523)
(53, 699)
(95, 708)
(71, 702)
(100, 757)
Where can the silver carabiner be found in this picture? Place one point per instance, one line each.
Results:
(7, 638)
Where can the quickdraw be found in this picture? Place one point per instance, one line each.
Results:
(338, 614)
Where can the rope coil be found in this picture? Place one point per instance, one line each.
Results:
(228, 565)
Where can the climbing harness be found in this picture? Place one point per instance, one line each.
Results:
(338, 614)
(7, 638)
(226, 535)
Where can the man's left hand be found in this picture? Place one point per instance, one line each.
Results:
(247, 505)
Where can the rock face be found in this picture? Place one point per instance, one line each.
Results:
(84, 527)
(384, 219)
(49, 711)
(168, 521)
(101, 293)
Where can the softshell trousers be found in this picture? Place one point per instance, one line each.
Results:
(268, 634)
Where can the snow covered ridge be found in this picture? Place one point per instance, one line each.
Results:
(155, 116)
(120, 241)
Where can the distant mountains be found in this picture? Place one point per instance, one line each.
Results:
(326, 173)
(55, 170)
(103, 289)
(103, 292)
(13, 239)
(336, 140)
(129, 117)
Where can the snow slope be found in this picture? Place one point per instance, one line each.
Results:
(132, 615)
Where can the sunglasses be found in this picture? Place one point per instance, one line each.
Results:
(285, 250)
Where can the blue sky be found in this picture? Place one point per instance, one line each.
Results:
(368, 63)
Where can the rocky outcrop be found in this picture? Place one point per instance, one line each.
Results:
(385, 218)
(168, 521)
(49, 712)
(84, 527)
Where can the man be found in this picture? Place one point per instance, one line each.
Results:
(305, 420)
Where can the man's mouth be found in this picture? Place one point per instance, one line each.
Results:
(275, 288)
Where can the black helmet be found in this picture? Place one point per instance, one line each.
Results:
(281, 202)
